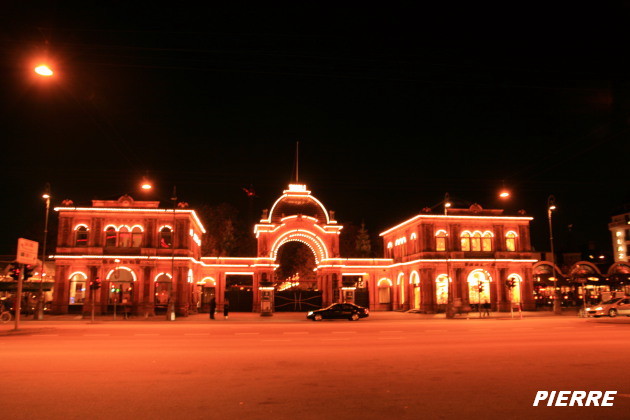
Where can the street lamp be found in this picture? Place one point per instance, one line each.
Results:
(39, 314)
(449, 297)
(170, 311)
(43, 70)
(551, 206)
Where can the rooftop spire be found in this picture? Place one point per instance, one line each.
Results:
(297, 162)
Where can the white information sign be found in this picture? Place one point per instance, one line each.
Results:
(27, 251)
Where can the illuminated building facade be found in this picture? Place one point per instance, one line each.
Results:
(470, 253)
(146, 257)
(142, 256)
(620, 230)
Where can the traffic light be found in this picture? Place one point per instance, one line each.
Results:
(14, 272)
(28, 271)
(95, 284)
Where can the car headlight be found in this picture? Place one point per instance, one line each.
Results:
(599, 308)
(310, 313)
(588, 309)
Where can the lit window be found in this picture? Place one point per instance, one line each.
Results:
(441, 289)
(440, 240)
(475, 242)
(166, 237)
(81, 236)
(486, 242)
(124, 237)
(465, 239)
(510, 241)
(110, 236)
(78, 283)
(136, 237)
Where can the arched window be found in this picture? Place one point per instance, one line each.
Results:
(414, 280)
(121, 285)
(486, 242)
(401, 282)
(384, 290)
(78, 287)
(510, 241)
(110, 236)
(479, 286)
(440, 240)
(515, 292)
(81, 236)
(475, 242)
(124, 237)
(465, 239)
(163, 288)
(136, 237)
(166, 237)
(441, 289)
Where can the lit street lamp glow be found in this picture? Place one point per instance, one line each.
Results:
(43, 70)
(504, 194)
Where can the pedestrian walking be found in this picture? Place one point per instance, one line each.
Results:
(226, 308)
(486, 308)
(213, 307)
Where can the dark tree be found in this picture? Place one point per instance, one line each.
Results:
(296, 258)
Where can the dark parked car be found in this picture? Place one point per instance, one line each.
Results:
(340, 311)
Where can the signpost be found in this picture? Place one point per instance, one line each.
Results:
(26, 254)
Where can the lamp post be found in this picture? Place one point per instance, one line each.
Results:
(170, 311)
(39, 314)
(551, 206)
(449, 297)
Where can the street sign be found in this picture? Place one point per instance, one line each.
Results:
(26, 251)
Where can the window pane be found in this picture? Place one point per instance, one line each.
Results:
(136, 238)
(81, 236)
(383, 295)
(165, 238)
(110, 237)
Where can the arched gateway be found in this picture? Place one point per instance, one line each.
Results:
(297, 216)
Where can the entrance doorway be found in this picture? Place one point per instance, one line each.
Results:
(239, 291)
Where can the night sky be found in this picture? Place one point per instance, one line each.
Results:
(392, 108)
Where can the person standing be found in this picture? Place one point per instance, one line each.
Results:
(226, 308)
(213, 307)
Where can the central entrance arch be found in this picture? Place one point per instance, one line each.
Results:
(296, 286)
(298, 217)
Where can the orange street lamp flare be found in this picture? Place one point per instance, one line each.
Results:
(43, 70)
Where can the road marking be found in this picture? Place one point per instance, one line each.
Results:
(390, 338)
(335, 339)
(296, 333)
(344, 332)
(247, 333)
(435, 330)
(96, 335)
(277, 339)
(391, 332)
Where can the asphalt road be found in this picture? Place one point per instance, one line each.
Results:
(384, 367)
